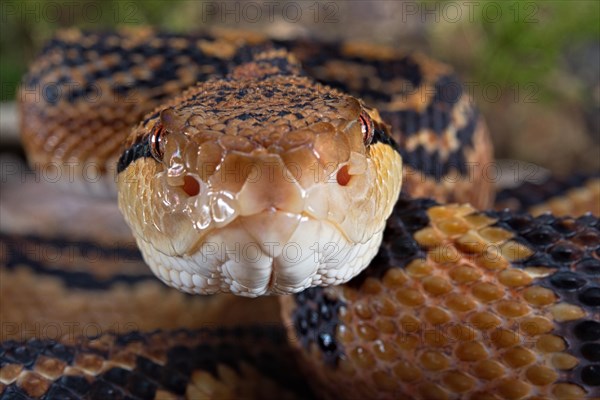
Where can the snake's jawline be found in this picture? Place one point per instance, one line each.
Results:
(398, 246)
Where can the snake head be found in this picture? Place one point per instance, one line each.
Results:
(259, 184)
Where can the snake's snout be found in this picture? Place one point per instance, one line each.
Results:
(254, 228)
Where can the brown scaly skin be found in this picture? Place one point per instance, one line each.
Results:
(419, 322)
(250, 363)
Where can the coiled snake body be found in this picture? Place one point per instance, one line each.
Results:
(273, 151)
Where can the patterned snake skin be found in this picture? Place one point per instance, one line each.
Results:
(457, 304)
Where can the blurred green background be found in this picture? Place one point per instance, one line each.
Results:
(532, 66)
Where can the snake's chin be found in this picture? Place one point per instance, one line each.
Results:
(272, 252)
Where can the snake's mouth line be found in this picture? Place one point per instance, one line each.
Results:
(267, 253)
(281, 243)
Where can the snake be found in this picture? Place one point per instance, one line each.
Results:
(341, 183)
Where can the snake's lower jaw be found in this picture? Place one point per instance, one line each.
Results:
(272, 252)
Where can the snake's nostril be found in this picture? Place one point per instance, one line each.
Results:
(343, 176)
(191, 185)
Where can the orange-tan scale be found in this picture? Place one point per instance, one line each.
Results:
(461, 305)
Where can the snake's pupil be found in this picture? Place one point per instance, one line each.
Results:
(156, 145)
(366, 127)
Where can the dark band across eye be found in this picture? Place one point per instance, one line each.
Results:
(367, 127)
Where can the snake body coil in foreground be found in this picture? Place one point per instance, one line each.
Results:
(274, 152)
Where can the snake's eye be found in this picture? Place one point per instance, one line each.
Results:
(169, 121)
(367, 127)
(157, 145)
